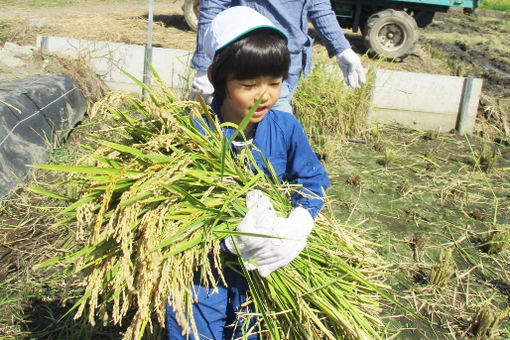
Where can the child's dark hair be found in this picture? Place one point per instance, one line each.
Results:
(262, 52)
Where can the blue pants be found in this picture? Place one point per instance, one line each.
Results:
(283, 103)
(216, 313)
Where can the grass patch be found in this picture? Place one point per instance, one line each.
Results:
(432, 210)
(3, 35)
(327, 108)
(42, 297)
(496, 5)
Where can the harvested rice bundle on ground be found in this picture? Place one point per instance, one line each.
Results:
(157, 200)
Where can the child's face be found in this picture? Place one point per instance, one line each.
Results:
(241, 96)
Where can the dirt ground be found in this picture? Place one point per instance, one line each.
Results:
(474, 45)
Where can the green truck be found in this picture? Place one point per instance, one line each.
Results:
(389, 27)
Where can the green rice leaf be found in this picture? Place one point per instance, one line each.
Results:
(48, 193)
(84, 169)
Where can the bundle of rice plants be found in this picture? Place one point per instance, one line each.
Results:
(328, 109)
(154, 203)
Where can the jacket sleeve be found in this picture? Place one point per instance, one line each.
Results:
(324, 21)
(208, 10)
(303, 167)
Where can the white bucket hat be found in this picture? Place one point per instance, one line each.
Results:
(231, 24)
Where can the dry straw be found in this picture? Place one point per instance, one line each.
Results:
(155, 203)
(328, 109)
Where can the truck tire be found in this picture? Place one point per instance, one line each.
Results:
(191, 9)
(391, 33)
(423, 18)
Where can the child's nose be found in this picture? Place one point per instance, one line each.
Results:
(263, 91)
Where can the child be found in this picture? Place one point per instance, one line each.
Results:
(250, 60)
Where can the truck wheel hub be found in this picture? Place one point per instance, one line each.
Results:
(391, 36)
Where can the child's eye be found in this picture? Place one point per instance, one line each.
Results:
(248, 85)
(276, 82)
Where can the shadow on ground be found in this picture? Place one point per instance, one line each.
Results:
(170, 20)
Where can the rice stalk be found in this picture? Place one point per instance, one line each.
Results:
(497, 239)
(155, 202)
(485, 321)
(325, 107)
(487, 158)
(441, 272)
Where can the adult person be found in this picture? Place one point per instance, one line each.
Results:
(292, 18)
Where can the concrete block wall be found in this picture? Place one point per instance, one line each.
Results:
(423, 101)
(109, 60)
(417, 100)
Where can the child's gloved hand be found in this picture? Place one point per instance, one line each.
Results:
(259, 219)
(294, 232)
(269, 254)
(202, 85)
(351, 67)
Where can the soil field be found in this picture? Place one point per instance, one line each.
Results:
(438, 205)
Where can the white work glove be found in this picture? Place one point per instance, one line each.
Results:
(202, 85)
(269, 254)
(294, 232)
(259, 219)
(351, 67)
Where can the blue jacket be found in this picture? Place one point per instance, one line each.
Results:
(281, 140)
(292, 17)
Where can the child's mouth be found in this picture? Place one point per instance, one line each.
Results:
(260, 109)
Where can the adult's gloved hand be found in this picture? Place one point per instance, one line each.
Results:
(269, 254)
(351, 67)
(202, 85)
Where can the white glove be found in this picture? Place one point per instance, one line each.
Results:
(351, 67)
(269, 254)
(202, 85)
(294, 232)
(259, 219)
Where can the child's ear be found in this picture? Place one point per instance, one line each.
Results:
(209, 74)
